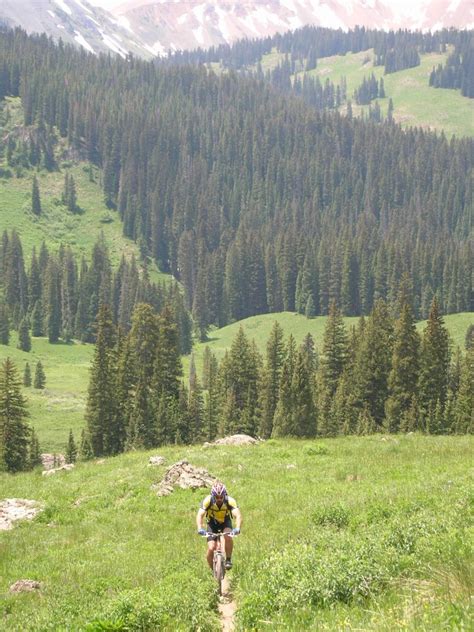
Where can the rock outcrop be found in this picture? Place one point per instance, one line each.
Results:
(185, 476)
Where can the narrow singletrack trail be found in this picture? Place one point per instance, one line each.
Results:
(227, 607)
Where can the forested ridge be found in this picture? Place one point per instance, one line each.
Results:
(256, 202)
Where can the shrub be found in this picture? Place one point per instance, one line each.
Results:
(335, 516)
(316, 450)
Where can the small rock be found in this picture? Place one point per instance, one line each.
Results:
(51, 461)
(66, 467)
(351, 478)
(156, 460)
(100, 462)
(237, 439)
(184, 475)
(25, 585)
(291, 466)
(13, 509)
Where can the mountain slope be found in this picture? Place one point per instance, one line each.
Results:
(152, 27)
(188, 25)
(75, 22)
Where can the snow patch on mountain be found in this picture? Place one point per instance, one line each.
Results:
(63, 6)
(83, 42)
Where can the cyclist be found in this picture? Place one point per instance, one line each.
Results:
(218, 508)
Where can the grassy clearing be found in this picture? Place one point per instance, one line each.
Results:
(367, 533)
(415, 102)
(61, 405)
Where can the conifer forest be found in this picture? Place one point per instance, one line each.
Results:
(258, 195)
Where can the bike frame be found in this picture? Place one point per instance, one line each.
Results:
(218, 559)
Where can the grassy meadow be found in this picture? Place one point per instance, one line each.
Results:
(369, 533)
(415, 102)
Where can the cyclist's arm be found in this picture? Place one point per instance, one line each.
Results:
(200, 518)
(238, 517)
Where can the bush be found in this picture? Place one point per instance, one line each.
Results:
(316, 450)
(335, 516)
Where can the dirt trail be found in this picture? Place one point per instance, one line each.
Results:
(227, 607)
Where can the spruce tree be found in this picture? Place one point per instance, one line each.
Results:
(40, 377)
(275, 354)
(374, 362)
(403, 376)
(335, 349)
(24, 340)
(27, 375)
(34, 451)
(35, 198)
(85, 448)
(463, 413)
(101, 413)
(14, 429)
(37, 320)
(71, 449)
(4, 325)
(282, 420)
(434, 362)
(303, 414)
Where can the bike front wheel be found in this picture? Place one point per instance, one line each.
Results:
(219, 571)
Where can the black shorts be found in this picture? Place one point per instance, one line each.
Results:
(218, 527)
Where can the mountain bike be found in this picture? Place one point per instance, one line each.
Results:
(218, 560)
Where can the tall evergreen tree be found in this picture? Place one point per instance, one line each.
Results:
(101, 413)
(14, 429)
(27, 375)
(434, 362)
(275, 354)
(35, 198)
(34, 458)
(4, 325)
(40, 377)
(71, 449)
(403, 376)
(24, 340)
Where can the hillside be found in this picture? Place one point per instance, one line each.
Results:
(55, 226)
(258, 328)
(61, 406)
(379, 526)
(416, 104)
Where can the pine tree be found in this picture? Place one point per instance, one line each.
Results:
(335, 349)
(85, 449)
(4, 325)
(34, 458)
(374, 362)
(211, 402)
(14, 429)
(303, 415)
(403, 376)
(195, 406)
(40, 377)
(27, 375)
(37, 319)
(434, 362)
(282, 420)
(463, 413)
(271, 379)
(101, 412)
(71, 449)
(35, 198)
(24, 340)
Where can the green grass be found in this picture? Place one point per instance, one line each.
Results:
(55, 225)
(415, 102)
(61, 405)
(352, 533)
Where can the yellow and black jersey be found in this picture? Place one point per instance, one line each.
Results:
(218, 514)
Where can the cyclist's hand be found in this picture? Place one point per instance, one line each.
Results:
(202, 532)
(235, 531)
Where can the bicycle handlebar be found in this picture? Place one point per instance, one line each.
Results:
(216, 535)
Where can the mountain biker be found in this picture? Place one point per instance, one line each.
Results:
(218, 508)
